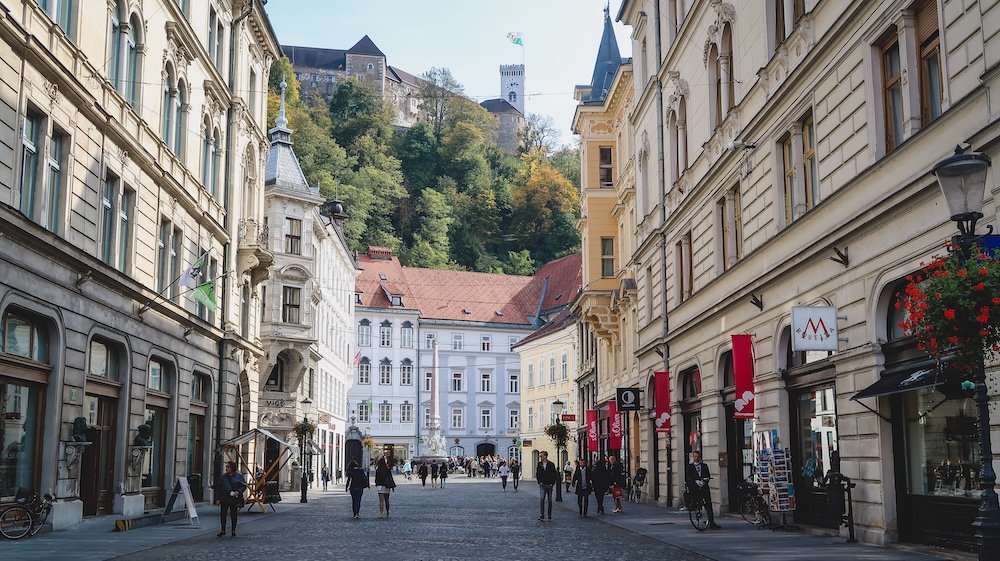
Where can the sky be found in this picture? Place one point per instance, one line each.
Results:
(469, 37)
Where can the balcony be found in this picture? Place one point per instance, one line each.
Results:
(253, 256)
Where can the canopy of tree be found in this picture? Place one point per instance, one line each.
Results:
(441, 193)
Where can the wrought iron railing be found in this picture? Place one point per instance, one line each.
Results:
(252, 232)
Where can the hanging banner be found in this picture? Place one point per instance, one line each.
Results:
(614, 426)
(814, 328)
(592, 430)
(661, 384)
(743, 374)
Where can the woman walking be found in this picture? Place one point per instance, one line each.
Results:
(515, 472)
(504, 474)
(230, 488)
(383, 486)
(407, 470)
(443, 472)
(357, 482)
(422, 473)
(325, 474)
(434, 474)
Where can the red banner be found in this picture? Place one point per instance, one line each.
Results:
(592, 431)
(615, 426)
(661, 384)
(743, 373)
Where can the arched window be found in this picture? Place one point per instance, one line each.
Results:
(715, 87)
(690, 383)
(276, 380)
(365, 371)
(105, 360)
(216, 160)
(169, 94)
(25, 336)
(726, 71)
(180, 126)
(132, 75)
(207, 156)
(115, 60)
(159, 388)
(512, 97)
(793, 359)
(726, 367)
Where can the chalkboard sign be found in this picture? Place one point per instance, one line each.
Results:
(182, 486)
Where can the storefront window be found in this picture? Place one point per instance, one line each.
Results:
(23, 337)
(20, 422)
(152, 470)
(943, 455)
(817, 433)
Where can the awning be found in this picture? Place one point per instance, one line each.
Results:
(897, 383)
(252, 434)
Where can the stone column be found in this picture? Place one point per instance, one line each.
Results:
(725, 75)
(131, 503)
(68, 508)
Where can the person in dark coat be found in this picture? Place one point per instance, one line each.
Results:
(434, 474)
(617, 477)
(443, 472)
(599, 479)
(515, 472)
(384, 484)
(583, 484)
(229, 489)
(422, 472)
(357, 482)
(696, 476)
(547, 476)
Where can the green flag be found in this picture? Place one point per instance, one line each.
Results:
(515, 38)
(205, 295)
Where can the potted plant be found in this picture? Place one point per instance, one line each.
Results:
(369, 443)
(559, 433)
(304, 429)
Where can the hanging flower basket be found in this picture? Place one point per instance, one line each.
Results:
(369, 443)
(558, 432)
(304, 430)
(953, 306)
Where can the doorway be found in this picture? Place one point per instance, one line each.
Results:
(739, 454)
(98, 463)
(486, 449)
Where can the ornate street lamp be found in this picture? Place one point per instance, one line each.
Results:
(557, 406)
(305, 455)
(962, 178)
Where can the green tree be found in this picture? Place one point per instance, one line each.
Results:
(435, 96)
(539, 134)
(361, 121)
(417, 151)
(431, 246)
(567, 161)
(519, 263)
(546, 207)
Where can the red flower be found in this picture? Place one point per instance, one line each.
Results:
(962, 273)
(996, 301)
(949, 314)
(983, 332)
(937, 295)
(953, 340)
(983, 271)
(897, 305)
(980, 286)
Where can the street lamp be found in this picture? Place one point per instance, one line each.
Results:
(557, 406)
(305, 456)
(962, 178)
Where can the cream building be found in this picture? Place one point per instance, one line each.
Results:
(798, 138)
(135, 149)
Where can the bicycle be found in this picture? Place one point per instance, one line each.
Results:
(696, 512)
(26, 517)
(753, 507)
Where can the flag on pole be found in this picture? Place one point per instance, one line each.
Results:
(515, 38)
(205, 295)
(357, 358)
(369, 402)
(194, 273)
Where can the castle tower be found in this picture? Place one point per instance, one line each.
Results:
(512, 85)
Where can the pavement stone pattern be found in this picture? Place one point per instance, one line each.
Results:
(469, 519)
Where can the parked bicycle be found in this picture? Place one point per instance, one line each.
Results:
(26, 517)
(697, 512)
(753, 506)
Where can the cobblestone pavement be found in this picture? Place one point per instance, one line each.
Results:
(466, 520)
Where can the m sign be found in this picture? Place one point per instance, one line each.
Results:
(814, 328)
(628, 399)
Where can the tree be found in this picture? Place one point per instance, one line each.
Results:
(417, 151)
(439, 88)
(431, 247)
(545, 210)
(519, 263)
(567, 161)
(361, 121)
(539, 134)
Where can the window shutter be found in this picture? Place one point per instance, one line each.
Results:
(927, 21)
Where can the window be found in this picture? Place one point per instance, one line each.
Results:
(62, 12)
(168, 247)
(385, 372)
(211, 159)
(513, 385)
(605, 168)
(55, 182)
(682, 267)
(214, 37)
(385, 334)
(104, 361)
(456, 381)
(395, 300)
(406, 335)
(198, 391)
(429, 339)
(809, 162)
(290, 304)
(457, 342)
(364, 333)
(427, 416)
(607, 257)
(486, 343)
(31, 135)
(798, 165)
(531, 375)
(364, 371)
(485, 418)
(531, 418)
(108, 201)
(552, 370)
(729, 230)
(428, 381)
(175, 108)
(931, 86)
(384, 413)
(511, 341)
(157, 379)
(788, 177)
(648, 289)
(565, 368)
(125, 52)
(406, 413)
(252, 94)
(457, 419)
(406, 373)
(24, 336)
(485, 381)
(513, 418)
(125, 211)
(293, 236)
(364, 412)
(892, 90)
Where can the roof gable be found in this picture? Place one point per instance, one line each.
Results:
(365, 47)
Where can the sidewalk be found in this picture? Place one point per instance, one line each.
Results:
(739, 541)
(95, 539)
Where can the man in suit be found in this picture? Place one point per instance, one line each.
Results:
(696, 477)
(600, 483)
(548, 477)
(583, 483)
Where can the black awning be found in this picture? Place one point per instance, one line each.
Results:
(897, 383)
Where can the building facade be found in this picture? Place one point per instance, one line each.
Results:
(797, 141)
(123, 176)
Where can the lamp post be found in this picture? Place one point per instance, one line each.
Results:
(557, 406)
(962, 178)
(305, 456)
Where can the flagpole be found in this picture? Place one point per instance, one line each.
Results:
(160, 293)
(191, 289)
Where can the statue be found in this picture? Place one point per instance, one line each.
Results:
(80, 429)
(145, 436)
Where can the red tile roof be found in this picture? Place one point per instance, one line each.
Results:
(565, 279)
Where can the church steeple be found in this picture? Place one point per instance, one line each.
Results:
(609, 58)
(282, 167)
(281, 132)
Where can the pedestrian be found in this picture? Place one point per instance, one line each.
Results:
(504, 474)
(616, 475)
(422, 473)
(443, 473)
(697, 477)
(230, 488)
(583, 481)
(599, 478)
(567, 474)
(547, 476)
(434, 474)
(357, 482)
(384, 485)
(325, 475)
(407, 470)
(487, 467)
(515, 472)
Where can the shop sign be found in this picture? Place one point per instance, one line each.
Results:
(592, 430)
(274, 403)
(661, 384)
(568, 417)
(526, 442)
(743, 408)
(814, 328)
(615, 422)
(628, 399)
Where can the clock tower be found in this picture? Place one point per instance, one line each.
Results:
(512, 85)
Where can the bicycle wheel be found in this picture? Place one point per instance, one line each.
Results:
(15, 522)
(698, 516)
(40, 521)
(750, 512)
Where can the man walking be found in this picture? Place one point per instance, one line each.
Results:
(547, 476)
(697, 476)
(617, 477)
(583, 482)
(599, 481)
